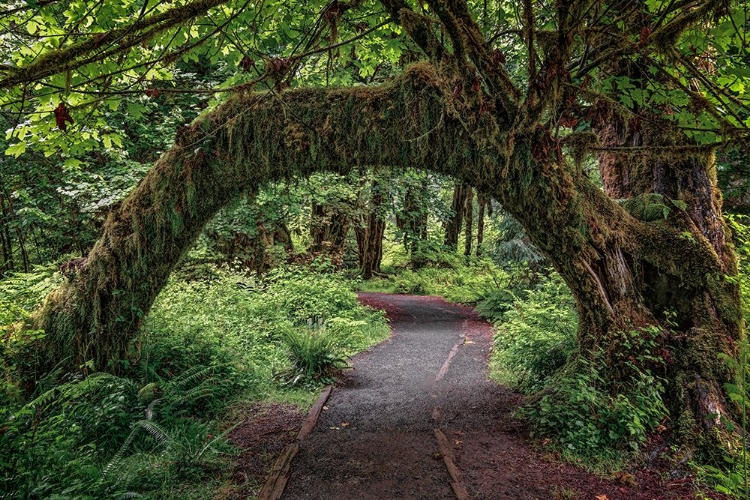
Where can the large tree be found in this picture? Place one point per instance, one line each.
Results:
(508, 98)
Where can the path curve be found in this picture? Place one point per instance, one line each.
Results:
(377, 439)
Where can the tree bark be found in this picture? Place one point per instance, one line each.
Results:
(482, 203)
(329, 227)
(458, 207)
(468, 214)
(370, 241)
(606, 256)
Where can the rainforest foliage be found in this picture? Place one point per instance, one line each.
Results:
(597, 141)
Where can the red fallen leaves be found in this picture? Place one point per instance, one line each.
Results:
(62, 116)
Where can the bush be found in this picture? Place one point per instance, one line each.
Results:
(578, 410)
(582, 404)
(467, 283)
(210, 338)
(535, 335)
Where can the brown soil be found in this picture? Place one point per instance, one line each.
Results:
(376, 438)
(261, 437)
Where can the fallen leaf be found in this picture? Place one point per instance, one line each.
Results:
(334, 428)
(344, 424)
(458, 443)
(625, 478)
(325, 407)
(601, 497)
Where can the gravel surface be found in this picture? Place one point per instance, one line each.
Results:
(375, 438)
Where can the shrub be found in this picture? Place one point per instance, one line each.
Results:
(589, 406)
(578, 410)
(212, 336)
(535, 335)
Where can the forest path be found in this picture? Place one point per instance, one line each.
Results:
(376, 437)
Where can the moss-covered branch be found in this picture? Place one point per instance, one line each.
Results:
(250, 140)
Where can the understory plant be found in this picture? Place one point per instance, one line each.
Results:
(314, 355)
(157, 428)
(577, 402)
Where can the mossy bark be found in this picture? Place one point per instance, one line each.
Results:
(605, 255)
(702, 316)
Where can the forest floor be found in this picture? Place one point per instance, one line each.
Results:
(376, 437)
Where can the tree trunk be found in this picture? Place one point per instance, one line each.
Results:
(468, 213)
(329, 227)
(703, 319)
(458, 206)
(482, 203)
(415, 220)
(5, 238)
(370, 237)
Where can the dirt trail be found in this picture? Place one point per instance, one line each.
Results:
(376, 439)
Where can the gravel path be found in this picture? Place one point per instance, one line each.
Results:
(376, 439)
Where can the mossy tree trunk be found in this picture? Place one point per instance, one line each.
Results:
(414, 220)
(702, 317)
(329, 228)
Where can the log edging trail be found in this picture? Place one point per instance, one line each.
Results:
(274, 487)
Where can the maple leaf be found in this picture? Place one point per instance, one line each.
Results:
(62, 116)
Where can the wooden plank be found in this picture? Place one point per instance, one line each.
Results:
(274, 486)
(312, 417)
(276, 482)
(459, 489)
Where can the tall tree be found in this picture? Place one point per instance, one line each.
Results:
(461, 193)
(370, 234)
(515, 130)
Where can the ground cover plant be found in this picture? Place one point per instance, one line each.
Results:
(157, 429)
(606, 129)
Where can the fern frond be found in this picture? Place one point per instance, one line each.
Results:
(186, 378)
(156, 431)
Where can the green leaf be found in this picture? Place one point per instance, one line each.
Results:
(16, 149)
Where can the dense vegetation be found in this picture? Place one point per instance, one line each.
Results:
(213, 340)
(184, 183)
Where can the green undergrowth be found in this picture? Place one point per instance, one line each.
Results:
(572, 404)
(456, 278)
(157, 429)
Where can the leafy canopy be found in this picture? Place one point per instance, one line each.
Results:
(73, 68)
